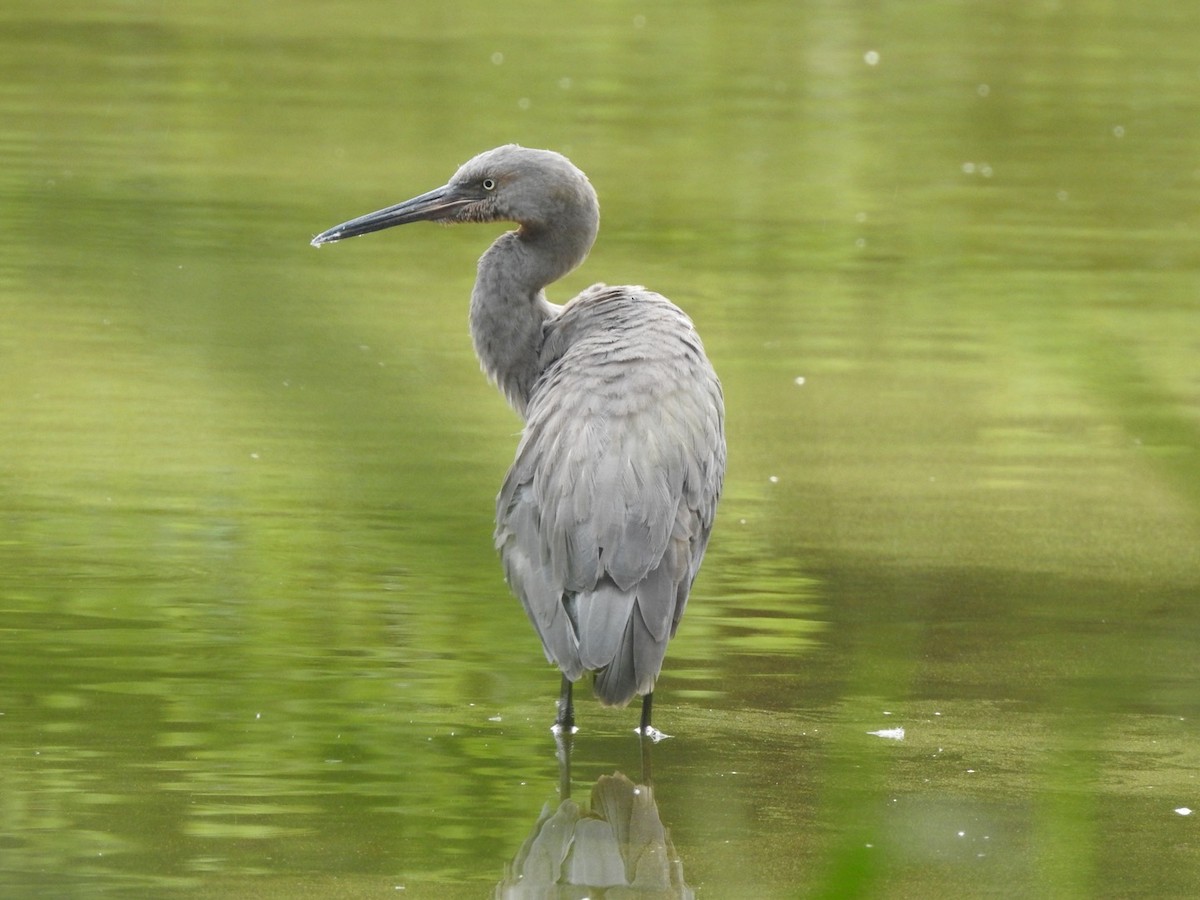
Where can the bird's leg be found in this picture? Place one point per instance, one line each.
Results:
(564, 722)
(647, 702)
(646, 731)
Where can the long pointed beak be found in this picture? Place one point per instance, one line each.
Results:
(430, 206)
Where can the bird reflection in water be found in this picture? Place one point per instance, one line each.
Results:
(617, 848)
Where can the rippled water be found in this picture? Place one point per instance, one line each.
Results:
(255, 639)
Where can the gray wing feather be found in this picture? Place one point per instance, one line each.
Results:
(605, 514)
(601, 615)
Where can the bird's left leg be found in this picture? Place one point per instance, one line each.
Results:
(564, 722)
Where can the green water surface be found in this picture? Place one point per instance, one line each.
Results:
(254, 641)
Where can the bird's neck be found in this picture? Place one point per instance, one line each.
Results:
(509, 306)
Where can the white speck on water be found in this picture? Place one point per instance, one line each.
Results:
(871, 57)
(1184, 811)
(985, 170)
(495, 718)
(968, 168)
(799, 380)
(653, 733)
(891, 734)
(774, 479)
(1119, 131)
(962, 834)
(254, 456)
(497, 58)
(983, 90)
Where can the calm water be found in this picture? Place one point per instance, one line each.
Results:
(944, 256)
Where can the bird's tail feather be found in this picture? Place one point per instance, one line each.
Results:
(635, 666)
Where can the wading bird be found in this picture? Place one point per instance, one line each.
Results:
(605, 514)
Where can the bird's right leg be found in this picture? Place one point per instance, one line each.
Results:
(646, 728)
(646, 731)
(564, 722)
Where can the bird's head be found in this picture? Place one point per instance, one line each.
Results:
(537, 189)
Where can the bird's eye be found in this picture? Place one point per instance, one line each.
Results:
(489, 184)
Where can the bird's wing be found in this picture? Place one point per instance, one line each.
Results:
(606, 511)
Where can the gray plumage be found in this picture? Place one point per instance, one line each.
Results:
(604, 517)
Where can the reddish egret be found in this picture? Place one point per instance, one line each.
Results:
(604, 516)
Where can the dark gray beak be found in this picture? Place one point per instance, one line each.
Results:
(433, 206)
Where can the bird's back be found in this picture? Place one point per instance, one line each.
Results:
(605, 514)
